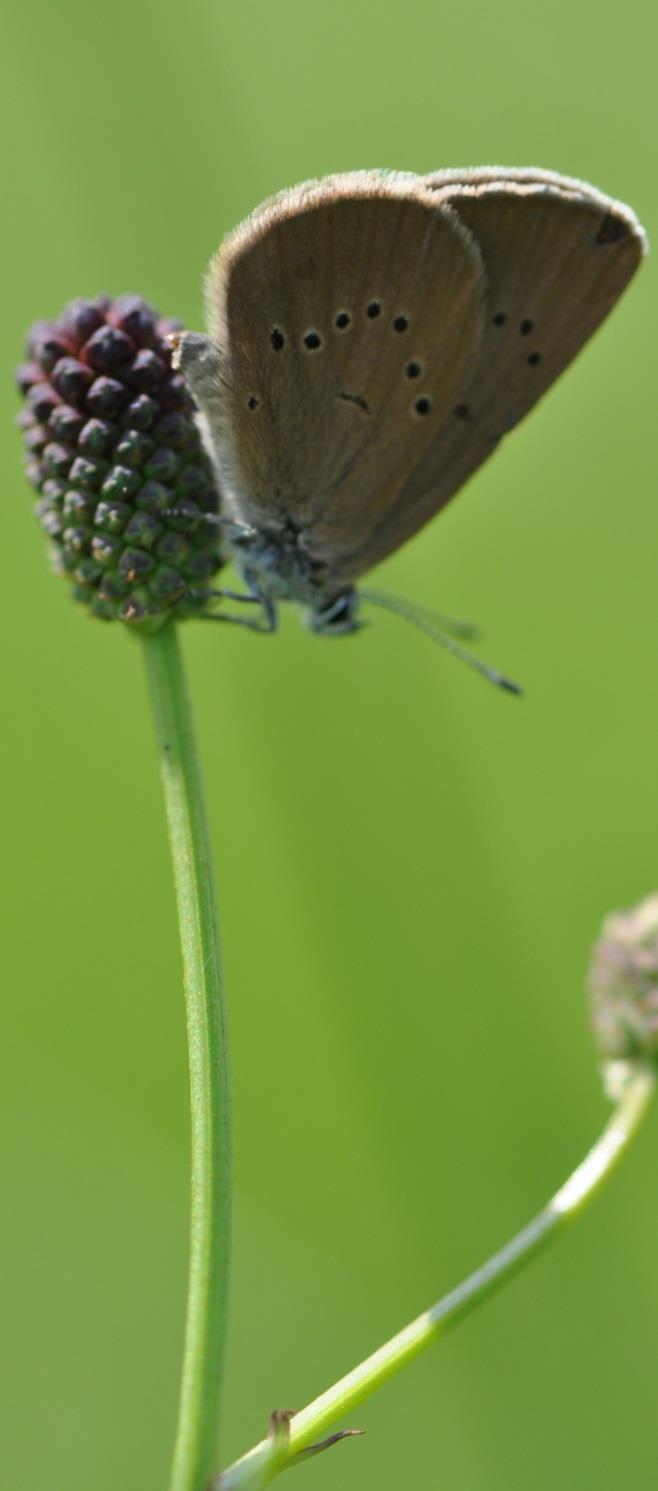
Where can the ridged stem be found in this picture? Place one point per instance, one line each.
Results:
(261, 1464)
(195, 1451)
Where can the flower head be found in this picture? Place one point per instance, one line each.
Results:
(125, 486)
(623, 984)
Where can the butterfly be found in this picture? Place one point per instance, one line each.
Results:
(372, 338)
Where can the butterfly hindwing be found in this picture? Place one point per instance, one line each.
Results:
(557, 255)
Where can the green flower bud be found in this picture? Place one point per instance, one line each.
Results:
(623, 984)
(125, 486)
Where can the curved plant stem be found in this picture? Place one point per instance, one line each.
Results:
(260, 1465)
(196, 1438)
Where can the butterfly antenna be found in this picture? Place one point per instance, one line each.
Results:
(435, 632)
(464, 631)
(233, 526)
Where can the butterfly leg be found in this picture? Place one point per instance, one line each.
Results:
(267, 622)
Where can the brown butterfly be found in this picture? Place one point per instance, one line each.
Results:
(372, 338)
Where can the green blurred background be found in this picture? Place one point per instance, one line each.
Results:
(411, 866)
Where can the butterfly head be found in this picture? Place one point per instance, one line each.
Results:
(276, 567)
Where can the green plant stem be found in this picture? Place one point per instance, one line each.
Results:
(259, 1466)
(195, 1451)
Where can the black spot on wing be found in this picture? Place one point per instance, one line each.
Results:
(612, 229)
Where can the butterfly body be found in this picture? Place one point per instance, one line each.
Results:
(372, 338)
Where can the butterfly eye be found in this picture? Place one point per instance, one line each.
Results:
(312, 341)
(374, 309)
(337, 617)
(277, 338)
(400, 323)
(534, 358)
(413, 370)
(343, 320)
(423, 406)
(526, 327)
(252, 402)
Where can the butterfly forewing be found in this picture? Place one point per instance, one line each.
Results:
(557, 255)
(351, 313)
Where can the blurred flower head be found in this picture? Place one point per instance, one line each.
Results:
(114, 452)
(623, 983)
